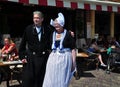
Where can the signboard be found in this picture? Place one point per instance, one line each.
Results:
(89, 30)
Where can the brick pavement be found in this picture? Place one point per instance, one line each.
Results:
(97, 78)
(92, 78)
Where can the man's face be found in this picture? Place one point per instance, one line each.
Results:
(37, 19)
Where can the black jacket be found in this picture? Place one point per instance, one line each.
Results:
(30, 40)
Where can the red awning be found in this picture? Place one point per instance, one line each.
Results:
(73, 5)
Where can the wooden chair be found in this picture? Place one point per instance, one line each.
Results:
(92, 58)
(16, 73)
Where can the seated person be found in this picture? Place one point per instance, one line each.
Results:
(9, 48)
(95, 49)
(115, 42)
(101, 41)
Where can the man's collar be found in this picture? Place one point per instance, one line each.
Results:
(34, 26)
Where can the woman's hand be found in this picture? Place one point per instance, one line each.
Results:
(6, 51)
(73, 66)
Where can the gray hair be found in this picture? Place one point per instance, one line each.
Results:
(39, 13)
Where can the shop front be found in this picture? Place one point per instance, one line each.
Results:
(15, 16)
(85, 17)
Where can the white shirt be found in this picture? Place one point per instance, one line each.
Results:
(38, 29)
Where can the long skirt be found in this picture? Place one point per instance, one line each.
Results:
(58, 70)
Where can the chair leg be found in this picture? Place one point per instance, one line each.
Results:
(7, 83)
(11, 77)
(97, 64)
(19, 82)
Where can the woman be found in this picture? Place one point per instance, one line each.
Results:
(61, 61)
(95, 49)
(9, 48)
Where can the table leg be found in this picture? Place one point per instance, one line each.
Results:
(7, 83)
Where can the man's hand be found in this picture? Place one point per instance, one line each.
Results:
(24, 61)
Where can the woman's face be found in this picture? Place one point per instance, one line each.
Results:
(58, 27)
(6, 41)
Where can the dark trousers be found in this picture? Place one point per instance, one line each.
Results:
(34, 70)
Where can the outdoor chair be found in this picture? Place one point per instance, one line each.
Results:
(113, 61)
(92, 59)
(85, 60)
(16, 73)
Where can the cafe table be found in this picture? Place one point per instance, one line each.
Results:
(6, 65)
(82, 54)
(79, 64)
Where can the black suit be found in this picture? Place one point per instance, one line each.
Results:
(37, 54)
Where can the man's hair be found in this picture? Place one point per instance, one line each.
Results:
(39, 13)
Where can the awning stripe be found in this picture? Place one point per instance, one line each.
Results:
(43, 2)
(73, 5)
(118, 9)
(98, 7)
(81, 5)
(109, 8)
(104, 7)
(33, 1)
(51, 2)
(87, 6)
(59, 3)
(67, 4)
(24, 1)
(12, 0)
(93, 7)
(114, 8)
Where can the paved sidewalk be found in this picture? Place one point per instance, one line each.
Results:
(92, 78)
(97, 78)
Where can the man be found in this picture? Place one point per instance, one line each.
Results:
(35, 39)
